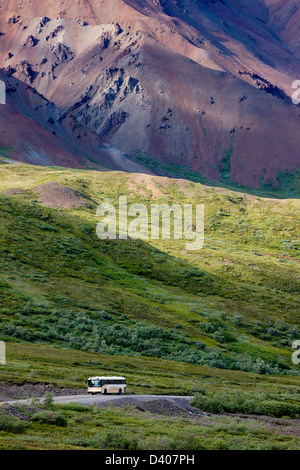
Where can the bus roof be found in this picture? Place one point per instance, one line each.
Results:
(106, 378)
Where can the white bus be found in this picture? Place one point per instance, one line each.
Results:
(106, 385)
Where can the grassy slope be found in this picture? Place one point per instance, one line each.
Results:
(238, 294)
(64, 427)
(129, 429)
(127, 306)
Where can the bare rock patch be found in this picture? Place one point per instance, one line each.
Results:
(54, 195)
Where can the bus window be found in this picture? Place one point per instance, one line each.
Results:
(94, 383)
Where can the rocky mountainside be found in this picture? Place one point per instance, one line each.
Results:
(205, 85)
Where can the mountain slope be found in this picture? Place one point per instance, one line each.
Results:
(205, 85)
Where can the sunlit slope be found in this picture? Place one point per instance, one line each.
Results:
(231, 305)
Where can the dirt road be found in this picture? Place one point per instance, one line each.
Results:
(88, 400)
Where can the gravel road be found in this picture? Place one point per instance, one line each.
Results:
(89, 400)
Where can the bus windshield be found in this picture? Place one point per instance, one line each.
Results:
(94, 383)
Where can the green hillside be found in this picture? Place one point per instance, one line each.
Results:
(217, 324)
(232, 305)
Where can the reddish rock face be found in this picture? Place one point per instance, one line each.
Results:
(203, 84)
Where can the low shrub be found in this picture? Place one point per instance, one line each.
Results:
(246, 403)
(12, 424)
(50, 417)
(117, 440)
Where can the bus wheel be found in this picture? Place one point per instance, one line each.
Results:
(120, 391)
(105, 392)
